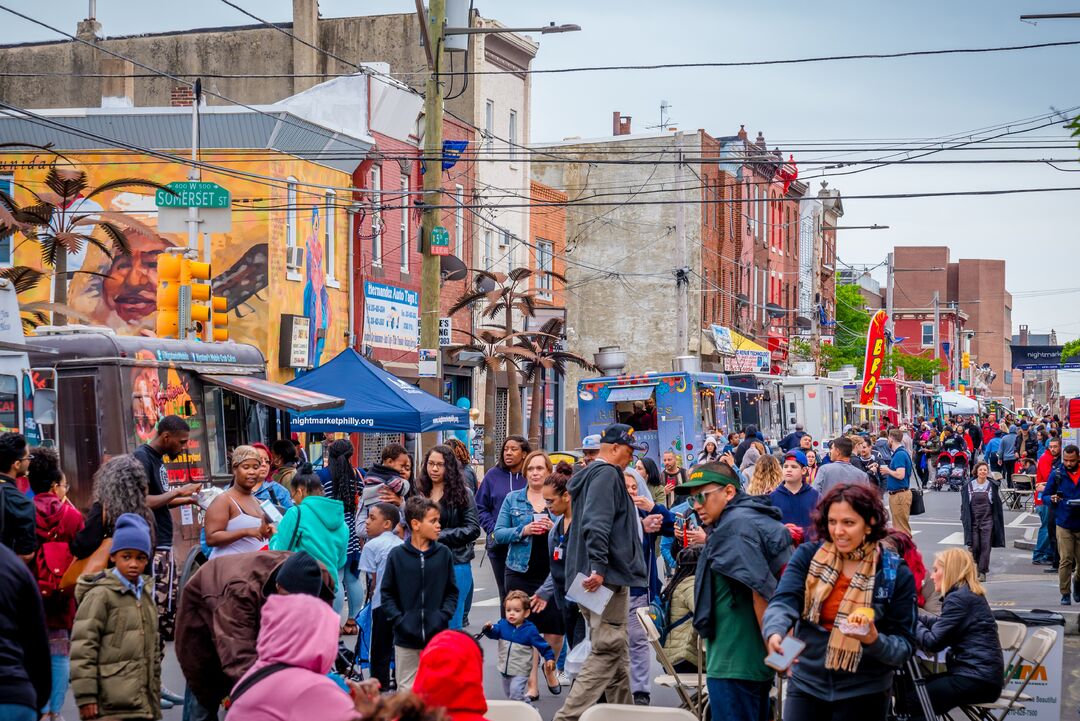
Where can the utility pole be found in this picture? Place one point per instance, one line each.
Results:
(433, 132)
(682, 277)
(890, 271)
(937, 325)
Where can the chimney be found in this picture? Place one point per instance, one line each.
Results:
(742, 132)
(760, 139)
(620, 124)
(118, 85)
(183, 96)
(1023, 335)
(305, 58)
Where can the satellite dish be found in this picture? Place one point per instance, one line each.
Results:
(485, 284)
(803, 322)
(451, 268)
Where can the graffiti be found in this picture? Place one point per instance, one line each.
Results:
(316, 296)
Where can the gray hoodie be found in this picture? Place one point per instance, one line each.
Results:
(604, 536)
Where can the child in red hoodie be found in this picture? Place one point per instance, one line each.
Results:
(451, 675)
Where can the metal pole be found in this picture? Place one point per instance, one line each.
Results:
(889, 283)
(682, 280)
(184, 304)
(937, 323)
(433, 134)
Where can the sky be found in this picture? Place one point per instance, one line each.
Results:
(910, 98)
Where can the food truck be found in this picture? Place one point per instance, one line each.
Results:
(816, 403)
(680, 409)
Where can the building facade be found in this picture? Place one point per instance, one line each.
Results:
(914, 334)
(1038, 389)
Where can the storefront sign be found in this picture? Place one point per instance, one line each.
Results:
(875, 357)
(444, 332)
(747, 361)
(429, 363)
(391, 317)
(295, 334)
(722, 339)
(1040, 357)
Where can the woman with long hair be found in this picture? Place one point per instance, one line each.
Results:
(441, 480)
(461, 452)
(974, 668)
(710, 451)
(499, 482)
(811, 466)
(120, 486)
(235, 522)
(848, 597)
(654, 483)
(523, 525)
(342, 482)
(766, 476)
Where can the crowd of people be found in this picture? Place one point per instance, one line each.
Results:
(745, 555)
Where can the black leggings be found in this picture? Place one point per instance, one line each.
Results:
(497, 556)
(801, 706)
(947, 692)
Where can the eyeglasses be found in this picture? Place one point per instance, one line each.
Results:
(435, 464)
(699, 498)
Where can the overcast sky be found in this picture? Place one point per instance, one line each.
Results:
(867, 99)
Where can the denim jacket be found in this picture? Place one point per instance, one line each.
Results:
(515, 514)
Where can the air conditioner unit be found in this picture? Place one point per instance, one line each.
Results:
(294, 258)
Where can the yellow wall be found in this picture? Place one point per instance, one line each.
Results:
(248, 263)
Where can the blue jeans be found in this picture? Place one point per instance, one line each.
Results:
(349, 583)
(15, 712)
(732, 700)
(463, 579)
(61, 668)
(1043, 550)
(195, 711)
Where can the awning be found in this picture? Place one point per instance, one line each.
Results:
(737, 389)
(741, 342)
(273, 394)
(620, 394)
(874, 407)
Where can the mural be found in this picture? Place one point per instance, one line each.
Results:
(159, 392)
(248, 263)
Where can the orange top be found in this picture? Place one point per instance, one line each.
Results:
(831, 607)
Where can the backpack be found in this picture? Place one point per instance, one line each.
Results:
(50, 562)
(660, 613)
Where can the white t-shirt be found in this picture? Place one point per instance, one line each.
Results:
(373, 560)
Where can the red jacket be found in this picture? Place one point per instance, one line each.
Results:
(451, 675)
(1042, 474)
(57, 522)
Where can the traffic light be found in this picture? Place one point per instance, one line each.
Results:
(965, 360)
(170, 267)
(220, 307)
(184, 298)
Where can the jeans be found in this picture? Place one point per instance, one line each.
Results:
(802, 706)
(640, 651)
(15, 712)
(195, 711)
(516, 688)
(61, 668)
(732, 700)
(349, 583)
(464, 580)
(1043, 550)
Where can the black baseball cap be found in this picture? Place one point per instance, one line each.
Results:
(622, 435)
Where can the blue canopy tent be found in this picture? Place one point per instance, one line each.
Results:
(375, 401)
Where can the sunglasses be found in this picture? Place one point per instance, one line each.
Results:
(699, 498)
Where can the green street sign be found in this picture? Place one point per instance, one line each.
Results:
(193, 195)
(440, 236)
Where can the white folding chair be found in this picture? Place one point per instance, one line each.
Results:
(1011, 636)
(687, 685)
(1032, 653)
(511, 711)
(619, 712)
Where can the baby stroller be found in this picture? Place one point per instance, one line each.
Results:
(944, 470)
(958, 476)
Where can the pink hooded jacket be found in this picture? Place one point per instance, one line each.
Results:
(302, 631)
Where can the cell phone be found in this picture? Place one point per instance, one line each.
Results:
(790, 648)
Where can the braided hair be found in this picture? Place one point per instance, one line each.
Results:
(343, 484)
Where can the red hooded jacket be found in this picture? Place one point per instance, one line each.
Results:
(451, 675)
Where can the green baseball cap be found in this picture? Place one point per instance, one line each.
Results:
(704, 476)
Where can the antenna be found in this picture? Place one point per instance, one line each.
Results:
(665, 116)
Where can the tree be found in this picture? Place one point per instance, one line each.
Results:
(1070, 349)
(505, 293)
(53, 220)
(495, 347)
(916, 367)
(542, 357)
(852, 322)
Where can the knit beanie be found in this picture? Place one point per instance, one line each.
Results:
(132, 534)
(301, 573)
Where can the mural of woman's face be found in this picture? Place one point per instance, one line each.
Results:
(130, 289)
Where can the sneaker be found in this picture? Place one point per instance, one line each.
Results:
(1065, 600)
(1052, 569)
(166, 703)
(982, 577)
(166, 693)
(641, 698)
(564, 678)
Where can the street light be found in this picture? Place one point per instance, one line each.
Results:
(875, 226)
(543, 30)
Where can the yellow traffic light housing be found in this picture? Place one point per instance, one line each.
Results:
(170, 269)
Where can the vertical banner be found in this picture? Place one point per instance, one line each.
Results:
(875, 357)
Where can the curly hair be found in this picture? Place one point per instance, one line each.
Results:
(766, 477)
(120, 486)
(44, 470)
(343, 483)
(863, 499)
(455, 492)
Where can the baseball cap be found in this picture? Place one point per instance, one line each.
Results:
(590, 443)
(703, 476)
(622, 435)
(797, 456)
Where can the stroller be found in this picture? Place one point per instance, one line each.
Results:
(952, 470)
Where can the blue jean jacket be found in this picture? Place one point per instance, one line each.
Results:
(515, 514)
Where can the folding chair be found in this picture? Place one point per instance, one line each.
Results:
(511, 711)
(619, 712)
(1032, 653)
(914, 673)
(689, 686)
(1011, 636)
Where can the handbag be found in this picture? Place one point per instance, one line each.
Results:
(918, 505)
(96, 562)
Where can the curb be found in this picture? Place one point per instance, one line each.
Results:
(1024, 545)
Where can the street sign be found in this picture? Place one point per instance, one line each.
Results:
(191, 194)
(440, 241)
(428, 365)
(444, 332)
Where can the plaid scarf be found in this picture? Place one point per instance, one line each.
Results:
(844, 652)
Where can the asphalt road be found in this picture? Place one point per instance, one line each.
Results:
(1013, 583)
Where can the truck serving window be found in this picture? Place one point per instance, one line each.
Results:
(9, 403)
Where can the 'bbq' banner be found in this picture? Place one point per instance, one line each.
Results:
(875, 357)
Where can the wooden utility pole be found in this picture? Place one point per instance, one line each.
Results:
(432, 150)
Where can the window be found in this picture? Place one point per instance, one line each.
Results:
(489, 238)
(329, 237)
(376, 216)
(7, 184)
(459, 222)
(545, 252)
(927, 335)
(405, 223)
(509, 250)
(489, 125)
(511, 138)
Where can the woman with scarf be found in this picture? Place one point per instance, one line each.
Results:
(849, 598)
